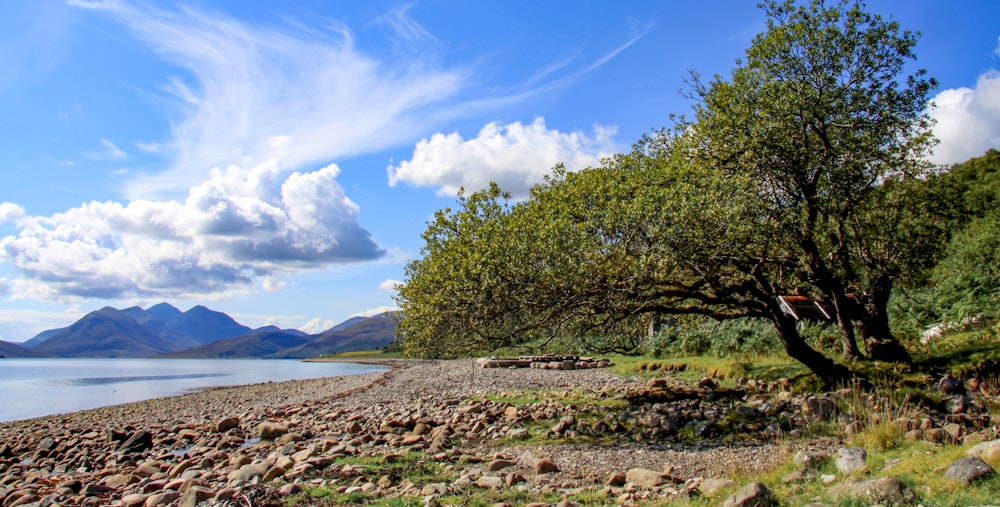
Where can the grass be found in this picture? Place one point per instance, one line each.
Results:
(363, 354)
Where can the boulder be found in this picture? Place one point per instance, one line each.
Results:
(754, 494)
(884, 490)
(850, 460)
(645, 478)
(968, 470)
(137, 442)
(271, 430)
(545, 466)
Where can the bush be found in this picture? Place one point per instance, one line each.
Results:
(700, 337)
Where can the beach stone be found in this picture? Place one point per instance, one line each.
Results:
(137, 442)
(754, 494)
(271, 430)
(617, 479)
(968, 470)
(247, 473)
(197, 494)
(133, 500)
(544, 466)
(518, 434)
(165, 498)
(809, 460)
(850, 460)
(224, 425)
(645, 478)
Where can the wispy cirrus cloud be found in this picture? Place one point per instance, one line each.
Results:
(249, 84)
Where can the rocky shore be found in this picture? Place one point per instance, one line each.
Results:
(631, 441)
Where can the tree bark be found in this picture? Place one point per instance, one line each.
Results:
(873, 323)
(832, 375)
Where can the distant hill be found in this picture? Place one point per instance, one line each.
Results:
(12, 350)
(165, 331)
(134, 332)
(259, 343)
(365, 334)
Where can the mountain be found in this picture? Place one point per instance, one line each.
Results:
(206, 325)
(41, 337)
(346, 324)
(107, 332)
(8, 349)
(365, 334)
(259, 343)
(134, 332)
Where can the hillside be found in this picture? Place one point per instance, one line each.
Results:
(256, 344)
(371, 333)
(12, 350)
(107, 332)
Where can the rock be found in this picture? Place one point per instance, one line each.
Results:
(850, 460)
(645, 478)
(499, 464)
(986, 451)
(884, 490)
(195, 495)
(518, 434)
(819, 408)
(707, 383)
(656, 383)
(958, 404)
(545, 466)
(617, 479)
(227, 424)
(165, 498)
(490, 482)
(271, 430)
(513, 479)
(139, 441)
(951, 385)
(709, 487)
(968, 470)
(754, 494)
(289, 489)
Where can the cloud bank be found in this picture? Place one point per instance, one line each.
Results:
(241, 229)
(514, 155)
(968, 120)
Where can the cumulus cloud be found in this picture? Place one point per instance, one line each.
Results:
(309, 86)
(376, 311)
(968, 120)
(316, 326)
(389, 285)
(240, 230)
(10, 212)
(514, 155)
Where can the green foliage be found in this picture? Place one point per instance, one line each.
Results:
(731, 338)
(967, 280)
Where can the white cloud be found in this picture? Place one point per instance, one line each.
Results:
(375, 311)
(22, 325)
(316, 326)
(514, 155)
(310, 86)
(113, 151)
(389, 285)
(239, 231)
(10, 212)
(968, 120)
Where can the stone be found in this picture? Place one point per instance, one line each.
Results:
(271, 430)
(883, 490)
(165, 498)
(499, 464)
(545, 466)
(490, 482)
(810, 460)
(951, 385)
(617, 479)
(754, 494)
(195, 495)
(137, 442)
(227, 424)
(645, 478)
(819, 408)
(968, 470)
(711, 487)
(957, 404)
(851, 460)
(987, 451)
(656, 384)
(518, 434)
(707, 383)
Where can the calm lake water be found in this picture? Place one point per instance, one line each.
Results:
(38, 387)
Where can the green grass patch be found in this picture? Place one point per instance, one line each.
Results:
(363, 354)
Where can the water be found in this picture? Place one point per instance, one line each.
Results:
(38, 387)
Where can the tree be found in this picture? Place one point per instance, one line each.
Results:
(818, 118)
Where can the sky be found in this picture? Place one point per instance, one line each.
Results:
(278, 161)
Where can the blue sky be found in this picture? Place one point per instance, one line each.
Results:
(278, 160)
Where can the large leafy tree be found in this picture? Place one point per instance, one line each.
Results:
(821, 115)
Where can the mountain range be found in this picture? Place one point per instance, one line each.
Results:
(164, 331)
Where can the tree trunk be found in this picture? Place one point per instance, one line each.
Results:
(832, 375)
(873, 322)
(842, 306)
